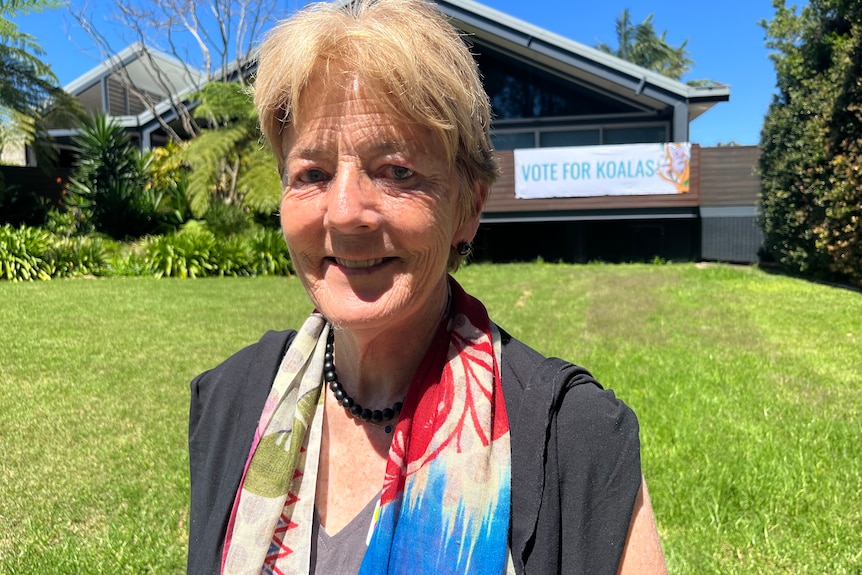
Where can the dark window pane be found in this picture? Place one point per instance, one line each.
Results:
(569, 138)
(646, 135)
(520, 91)
(514, 140)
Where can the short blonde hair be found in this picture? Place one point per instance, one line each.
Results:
(416, 63)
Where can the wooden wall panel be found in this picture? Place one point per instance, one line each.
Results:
(728, 176)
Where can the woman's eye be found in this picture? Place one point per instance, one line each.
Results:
(312, 176)
(400, 172)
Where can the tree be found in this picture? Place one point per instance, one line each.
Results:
(215, 36)
(27, 85)
(229, 164)
(811, 198)
(639, 44)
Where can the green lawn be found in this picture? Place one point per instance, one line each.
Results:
(747, 386)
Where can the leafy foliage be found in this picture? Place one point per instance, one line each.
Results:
(183, 254)
(228, 163)
(641, 45)
(227, 219)
(79, 256)
(811, 199)
(269, 254)
(27, 85)
(195, 251)
(108, 188)
(24, 254)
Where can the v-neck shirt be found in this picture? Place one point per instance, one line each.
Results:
(343, 552)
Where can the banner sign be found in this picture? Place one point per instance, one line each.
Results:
(581, 171)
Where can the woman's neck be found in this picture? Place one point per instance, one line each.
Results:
(375, 367)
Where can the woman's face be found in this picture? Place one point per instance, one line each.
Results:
(369, 211)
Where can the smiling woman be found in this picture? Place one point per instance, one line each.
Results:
(434, 415)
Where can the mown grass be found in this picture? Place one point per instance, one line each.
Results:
(747, 386)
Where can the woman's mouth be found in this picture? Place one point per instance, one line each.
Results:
(359, 264)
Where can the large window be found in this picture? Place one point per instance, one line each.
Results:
(520, 91)
(551, 137)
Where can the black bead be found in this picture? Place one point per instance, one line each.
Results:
(330, 376)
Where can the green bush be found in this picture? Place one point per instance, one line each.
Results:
(269, 254)
(227, 219)
(230, 257)
(79, 256)
(183, 254)
(25, 254)
(108, 189)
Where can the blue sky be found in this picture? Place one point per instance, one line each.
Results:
(724, 39)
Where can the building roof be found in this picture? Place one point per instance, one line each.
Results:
(578, 62)
(570, 60)
(157, 74)
(136, 59)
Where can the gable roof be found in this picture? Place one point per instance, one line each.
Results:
(578, 62)
(135, 59)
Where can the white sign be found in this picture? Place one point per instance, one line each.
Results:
(627, 170)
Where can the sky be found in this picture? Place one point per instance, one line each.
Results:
(725, 42)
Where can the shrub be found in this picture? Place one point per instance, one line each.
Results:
(812, 188)
(108, 187)
(268, 253)
(184, 254)
(230, 257)
(227, 219)
(24, 254)
(79, 256)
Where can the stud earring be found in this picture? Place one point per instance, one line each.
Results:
(464, 248)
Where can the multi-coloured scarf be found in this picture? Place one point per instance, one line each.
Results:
(445, 498)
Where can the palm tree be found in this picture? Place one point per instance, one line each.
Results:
(27, 85)
(639, 44)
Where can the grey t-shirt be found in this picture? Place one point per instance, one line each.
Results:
(343, 552)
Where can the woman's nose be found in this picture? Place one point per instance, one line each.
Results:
(351, 200)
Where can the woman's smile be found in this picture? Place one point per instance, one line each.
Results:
(370, 211)
(360, 264)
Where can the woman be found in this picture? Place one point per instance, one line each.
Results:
(399, 429)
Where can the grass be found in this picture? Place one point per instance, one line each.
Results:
(746, 384)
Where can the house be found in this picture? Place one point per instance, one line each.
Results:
(548, 93)
(137, 87)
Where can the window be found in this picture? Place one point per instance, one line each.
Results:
(569, 138)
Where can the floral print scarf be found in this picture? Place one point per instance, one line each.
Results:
(445, 499)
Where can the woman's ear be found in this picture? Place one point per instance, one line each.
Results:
(468, 229)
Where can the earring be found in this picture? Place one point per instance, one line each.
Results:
(464, 248)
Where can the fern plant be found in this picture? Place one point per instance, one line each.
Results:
(228, 163)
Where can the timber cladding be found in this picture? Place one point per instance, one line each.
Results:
(728, 176)
(722, 176)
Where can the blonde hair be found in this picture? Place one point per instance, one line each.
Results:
(415, 62)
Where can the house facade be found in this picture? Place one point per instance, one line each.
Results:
(547, 91)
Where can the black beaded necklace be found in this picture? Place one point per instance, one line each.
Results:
(374, 417)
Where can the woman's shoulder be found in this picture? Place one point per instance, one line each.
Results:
(259, 355)
(539, 388)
